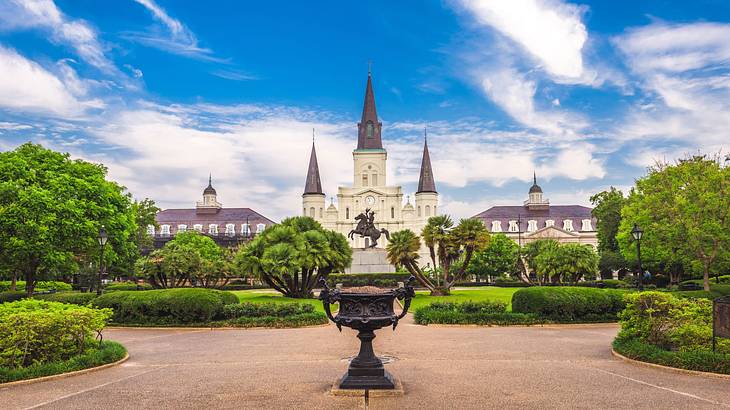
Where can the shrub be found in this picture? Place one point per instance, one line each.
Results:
(41, 286)
(248, 309)
(11, 296)
(510, 283)
(116, 286)
(383, 280)
(166, 306)
(36, 332)
(483, 307)
(298, 320)
(569, 304)
(474, 313)
(700, 360)
(74, 298)
(98, 354)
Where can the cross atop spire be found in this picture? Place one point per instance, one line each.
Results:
(425, 180)
(369, 127)
(313, 185)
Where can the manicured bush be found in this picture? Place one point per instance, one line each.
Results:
(74, 298)
(248, 309)
(116, 286)
(166, 306)
(699, 360)
(603, 283)
(37, 332)
(510, 283)
(569, 304)
(298, 320)
(383, 280)
(11, 296)
(40, 286)
(96, 355)
(715, 292)
(473, 313)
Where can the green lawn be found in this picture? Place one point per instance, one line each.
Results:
(264, 295)
(474, 294)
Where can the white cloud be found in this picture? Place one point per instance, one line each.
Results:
(27, 87)
(78, 34)
(550, 30)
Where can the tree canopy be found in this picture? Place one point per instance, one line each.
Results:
(554, 262)
(498, 258)
(684, 211)
(607, 210)
(293, 255)
(51, 210)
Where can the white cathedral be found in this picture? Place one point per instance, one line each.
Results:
(370, 187)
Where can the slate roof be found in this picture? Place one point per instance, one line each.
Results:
(369, 114)
(557, 213)
(425, 180)
(313, 185)
(190, 217)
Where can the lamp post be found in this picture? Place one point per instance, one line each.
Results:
(103, 237)
(637, 233)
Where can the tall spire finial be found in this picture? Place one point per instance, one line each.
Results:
(426, 182)
(425, 134)
(534, 177)
(312, 135)
(370, 67)
(210, 179)
(369, 127)
(313, 185)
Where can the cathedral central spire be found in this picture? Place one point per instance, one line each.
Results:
(425, 180)
(314, 183)
(369, 127)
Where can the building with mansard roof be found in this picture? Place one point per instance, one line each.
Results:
(537, 219)
(370, 187)
(227, 226)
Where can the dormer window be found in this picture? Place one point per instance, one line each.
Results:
(260, 228)
(213, 229)
(370, 129)
(496, 226)
(182, 228)
(230, 229)
(165, 230)
(568, 225)
(549, 223)
(150, 230)
(245, 229)
(198, 228)
(586, 225)
(513, 226)
(531, 225)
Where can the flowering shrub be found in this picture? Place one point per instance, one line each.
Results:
(36, 331)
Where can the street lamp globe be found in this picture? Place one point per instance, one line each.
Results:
(103, 237)
(637, 233)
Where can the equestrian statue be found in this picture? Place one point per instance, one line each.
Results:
(366, 228)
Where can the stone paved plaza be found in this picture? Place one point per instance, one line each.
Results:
(561, 367)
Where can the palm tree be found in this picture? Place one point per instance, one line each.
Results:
(402, 250)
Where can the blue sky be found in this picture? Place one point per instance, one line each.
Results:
(165, 92)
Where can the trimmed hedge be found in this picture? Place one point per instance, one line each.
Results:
(299, 320)
(604, 283)
(11, 296)
(166, 306)
(570, 304)
(249, 309)
(40, 286)
(100, 354)
(510, 283)
(472, 313)
(117, 286)
(700, 360)
(715, 292)
(74, 298)
(383, 280)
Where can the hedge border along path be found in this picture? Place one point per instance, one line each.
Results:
(669, 368)
(67, 374)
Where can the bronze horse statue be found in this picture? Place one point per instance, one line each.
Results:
(366, 227)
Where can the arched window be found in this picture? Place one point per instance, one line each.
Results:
(531, 225)
(150, 229)
(182, 228)
(370, 129)
(321, 212)
(419, 210)
(311, 212)
(375, 179)
(513, 226)
(496, 226)
(165, 230)
(568, 225)
(586, 225)
(304, 211)
(245, 229)
(428, 210)
(260, 228)
(392, 212)
(230, 229)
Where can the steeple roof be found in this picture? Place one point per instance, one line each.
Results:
(425, 181)
(369, 127)
(209, 190)
(313, 184)
(535, 187)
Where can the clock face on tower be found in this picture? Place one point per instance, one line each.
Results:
(370, 200)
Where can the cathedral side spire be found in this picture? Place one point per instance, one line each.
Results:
(425, 181)
(313, 184)
(369, 127)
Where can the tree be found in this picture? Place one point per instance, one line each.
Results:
(684, 211)
(607, 210)
(450, 248)
(499, 257)
(51, 209)
(292, 256)
(145, 211)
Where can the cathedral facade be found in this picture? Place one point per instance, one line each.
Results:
(370, 189)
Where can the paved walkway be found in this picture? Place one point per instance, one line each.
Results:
(441, 368)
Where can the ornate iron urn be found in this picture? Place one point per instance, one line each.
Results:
(366, 309)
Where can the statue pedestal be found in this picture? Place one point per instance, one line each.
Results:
(370, 260)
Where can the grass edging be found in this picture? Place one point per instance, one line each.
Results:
(617, 351)
(68, 374)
